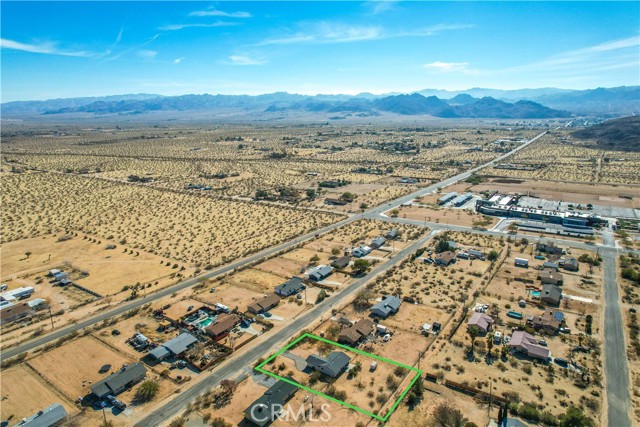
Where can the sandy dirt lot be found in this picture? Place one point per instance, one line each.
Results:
(74, 366)
(462, 217)
(109, 269)
(255, 280)
(24, 393)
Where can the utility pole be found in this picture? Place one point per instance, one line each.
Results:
(420, 354)
(490, 396)
(51, 317)
(104, 415)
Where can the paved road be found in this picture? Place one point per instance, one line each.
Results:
(615, 362)
(122, 308)
(262, 349)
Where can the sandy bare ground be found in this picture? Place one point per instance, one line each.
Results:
(24, 393)
(462, 217)
(74, 366)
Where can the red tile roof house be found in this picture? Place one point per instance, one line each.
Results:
(481, 321)
(526, 344)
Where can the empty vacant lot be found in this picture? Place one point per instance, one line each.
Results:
(199, 231)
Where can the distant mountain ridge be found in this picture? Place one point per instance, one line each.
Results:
(621, 101)
(414, 104)
(471, 103)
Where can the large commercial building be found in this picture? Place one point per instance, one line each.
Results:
(570, 220)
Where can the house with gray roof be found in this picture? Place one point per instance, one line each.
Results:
(378, 242)
(181, 343)
(341, 263)
(54, 415)
(550, 277)
(571, 264)
(333, 365)
(319, 273)
(120, 381)
(551, 294)
(290, 287)
(267, 407)
(389, 305)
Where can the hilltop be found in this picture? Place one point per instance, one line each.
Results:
(617, 134)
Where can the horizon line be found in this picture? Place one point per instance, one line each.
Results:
(386, 93)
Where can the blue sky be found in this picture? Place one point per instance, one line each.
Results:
(51, 49)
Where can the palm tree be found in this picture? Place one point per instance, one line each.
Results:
(490, 346)
(473, 332)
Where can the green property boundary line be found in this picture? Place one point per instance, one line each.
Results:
(260, 369)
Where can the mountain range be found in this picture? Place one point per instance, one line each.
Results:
(472, 103)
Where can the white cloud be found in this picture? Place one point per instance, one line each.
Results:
(178, 60)
(446, 67)
(175, 27)
(42, 48)
(379, 6)
(119, 37)
(215, 12)
(244, 60)
(607, 55)
(326, 32)
(146, 53)
(332, 32)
